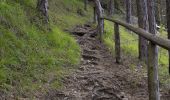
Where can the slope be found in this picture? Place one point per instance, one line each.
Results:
(32, 53)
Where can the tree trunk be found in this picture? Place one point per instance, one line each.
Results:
(111, 7)
(116, 5)
(168, 24)
(42, 6)
(85, 4)
(158, 11)
(143, 23)
(100, 12)
(153, 82)
(128, 11)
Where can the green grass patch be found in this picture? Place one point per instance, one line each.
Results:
(128, 40)
(31, 53)
(69, 17)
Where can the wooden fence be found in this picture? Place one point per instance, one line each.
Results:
(153, 82)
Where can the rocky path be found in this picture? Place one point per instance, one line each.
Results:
(99, 77)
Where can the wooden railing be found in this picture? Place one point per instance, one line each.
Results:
(152, 60)
(162, 42)
(156, 40)
(153, 82)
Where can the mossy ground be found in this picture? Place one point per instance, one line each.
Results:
(30, 51)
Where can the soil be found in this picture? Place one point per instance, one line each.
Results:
(98, 76)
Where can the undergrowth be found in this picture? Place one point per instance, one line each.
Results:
(32, 53)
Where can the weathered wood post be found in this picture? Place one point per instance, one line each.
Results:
(153, 82)
(117, 43)
(100, 11)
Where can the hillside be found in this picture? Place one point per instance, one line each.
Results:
(31, 52)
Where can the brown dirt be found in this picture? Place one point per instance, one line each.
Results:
(98, 76)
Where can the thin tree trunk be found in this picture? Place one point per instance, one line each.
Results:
(168, 24)
(116, 5)
(42, 6)
(111, 7)
(85, 4)
(158, 11)
(128, 11)
(153, 82)
(143, 23)
(100, 12)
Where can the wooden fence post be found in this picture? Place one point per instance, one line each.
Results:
(101, 27)
(153, 82)
(117, 43)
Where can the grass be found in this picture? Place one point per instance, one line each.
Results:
(128, 40)
(32, 53)
(129, 46)
(68, 17)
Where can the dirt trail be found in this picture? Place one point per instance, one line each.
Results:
(99, 77)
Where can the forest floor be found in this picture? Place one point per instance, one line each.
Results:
(98, 76)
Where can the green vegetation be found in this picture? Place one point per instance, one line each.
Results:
(129, 46)
(68, 14)
(32, 52)
(129, 41)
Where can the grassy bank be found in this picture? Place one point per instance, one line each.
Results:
(32, 53)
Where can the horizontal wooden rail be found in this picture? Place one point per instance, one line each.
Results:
(162, 42)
